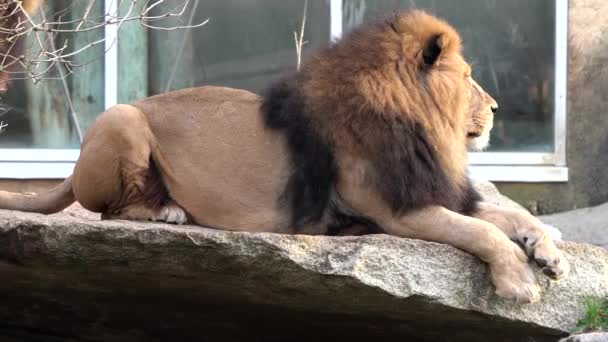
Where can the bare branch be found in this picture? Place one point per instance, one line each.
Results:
(44, 54)
(299, 41)
(182, 48)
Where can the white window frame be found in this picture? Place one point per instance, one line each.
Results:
(528, 166)
(494, 166)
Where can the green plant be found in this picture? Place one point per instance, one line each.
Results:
(596, 316)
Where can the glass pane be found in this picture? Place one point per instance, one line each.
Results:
(37, 115)
(511, 46)
(246, 44)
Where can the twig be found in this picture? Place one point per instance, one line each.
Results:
(300, 40)
(86, 14)
(32, 65)
(181, 49)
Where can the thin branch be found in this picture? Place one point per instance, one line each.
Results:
(182, 48)
(299, 41)
(15, 23)
(86, 14)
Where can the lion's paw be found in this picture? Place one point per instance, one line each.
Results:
(172, 213)
(514, 278)
(546, 255)
(551, 260)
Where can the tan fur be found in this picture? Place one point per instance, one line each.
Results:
(217, 163)
(30, 6)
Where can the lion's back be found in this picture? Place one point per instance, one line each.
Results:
(201, 115)
(195, 97)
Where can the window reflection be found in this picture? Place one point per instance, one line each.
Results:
(246, 44)
(511, 46)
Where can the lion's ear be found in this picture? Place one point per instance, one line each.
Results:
(433, 48)
(30, 6)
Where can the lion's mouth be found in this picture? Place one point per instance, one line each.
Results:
(473, 135)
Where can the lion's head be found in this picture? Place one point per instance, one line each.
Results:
(480, 117)
(410, 67)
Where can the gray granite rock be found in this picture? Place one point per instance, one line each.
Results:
(70, 276)
(590, 337)
(589, 225)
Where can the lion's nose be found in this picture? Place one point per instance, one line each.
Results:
(494, 108)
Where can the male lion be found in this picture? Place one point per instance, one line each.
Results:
(371, 131)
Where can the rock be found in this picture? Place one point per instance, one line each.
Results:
(587, 225)
(70, 276)
(490, 193)
(590, 337)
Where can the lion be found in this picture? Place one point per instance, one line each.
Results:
(371, 132)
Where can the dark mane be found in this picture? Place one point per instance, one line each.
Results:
(406, 170)
(314, 169)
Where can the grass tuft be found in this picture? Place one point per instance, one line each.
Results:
(596, 316)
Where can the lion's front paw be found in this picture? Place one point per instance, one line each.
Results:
(542, 249)
(514, 278)
(551, 260)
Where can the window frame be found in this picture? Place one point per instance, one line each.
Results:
(493, 166)
(535, 166)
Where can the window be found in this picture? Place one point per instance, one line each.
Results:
(518, 50)
(40, 139)
(246, 44)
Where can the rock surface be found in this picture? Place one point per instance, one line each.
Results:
(589, 225)
(70, 276)
(490, 193)
(590, 337)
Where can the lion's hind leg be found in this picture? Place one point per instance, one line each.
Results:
(169, 213)
(116, 174)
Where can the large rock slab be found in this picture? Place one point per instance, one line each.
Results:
(589, 337)
(587, 225)
(489, 192)
(70, 276)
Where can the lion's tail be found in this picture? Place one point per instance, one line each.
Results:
(48, 202)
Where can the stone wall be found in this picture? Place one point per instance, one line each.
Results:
(70, 277)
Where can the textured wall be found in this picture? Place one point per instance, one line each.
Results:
(587, 141)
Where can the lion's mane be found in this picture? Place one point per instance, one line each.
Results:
(391, 93)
